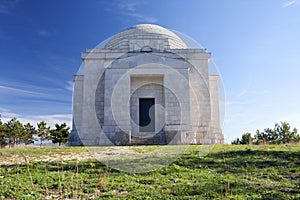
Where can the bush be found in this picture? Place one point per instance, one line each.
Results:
(280, 134)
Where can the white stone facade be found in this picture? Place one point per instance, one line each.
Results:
(145, 62)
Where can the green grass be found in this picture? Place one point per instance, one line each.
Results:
(227, 172)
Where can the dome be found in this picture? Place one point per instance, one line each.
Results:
(146, 35)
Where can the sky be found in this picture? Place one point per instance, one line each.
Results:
(254, 43)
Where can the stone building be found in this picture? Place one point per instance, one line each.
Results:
(145, 85)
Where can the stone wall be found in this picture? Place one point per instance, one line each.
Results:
(180, 83)
(147, 86)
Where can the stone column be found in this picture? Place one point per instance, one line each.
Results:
(215, 131)
(74, 139)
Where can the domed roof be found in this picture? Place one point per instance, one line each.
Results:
(146, 32)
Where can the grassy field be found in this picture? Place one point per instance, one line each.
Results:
(227, 172)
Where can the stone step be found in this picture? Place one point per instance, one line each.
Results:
(158, 139)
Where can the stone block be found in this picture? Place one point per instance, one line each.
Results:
(122, 138)
(170, 136)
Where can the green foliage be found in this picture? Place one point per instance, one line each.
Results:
(43, 132)
(60, 134)
(14, 133)
(236, 141)
(280, 134)
(260, 137)
(29, 132)
(246, 138)
(3, 130)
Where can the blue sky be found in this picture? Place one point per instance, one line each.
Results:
(255, 44)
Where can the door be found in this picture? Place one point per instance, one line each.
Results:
(147, 114)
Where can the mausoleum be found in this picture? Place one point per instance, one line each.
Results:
(145, 85)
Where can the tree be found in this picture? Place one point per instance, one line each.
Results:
(43, 132)
(281, 133)
(246, 138)
(285, 134)
(260, 137)
(236, 141)
(272, 136)
(29, 132)
(60, 134)
(14, 132)
(296, 136)
(3, 131)
(283, 130)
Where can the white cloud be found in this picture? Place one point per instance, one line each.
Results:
(3, 110)
(6, 114)
(142, 18)
(127, 6)
(69, 86)
(288, 3)
(131, 9)
(18, 91)
(51, 120)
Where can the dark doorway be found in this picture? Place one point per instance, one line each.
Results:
(147, 114)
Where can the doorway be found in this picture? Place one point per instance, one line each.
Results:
(147, 114)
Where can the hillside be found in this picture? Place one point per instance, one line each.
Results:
(227, 172)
